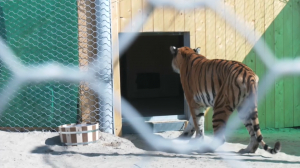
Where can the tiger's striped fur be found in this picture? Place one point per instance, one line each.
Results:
(223, 85)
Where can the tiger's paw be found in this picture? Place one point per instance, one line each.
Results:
(243, 151)
(186, 134)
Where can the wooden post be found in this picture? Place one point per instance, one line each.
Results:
(88, 101)
(116, 68)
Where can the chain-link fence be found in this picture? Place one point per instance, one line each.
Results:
(68, 33)
(68, 42)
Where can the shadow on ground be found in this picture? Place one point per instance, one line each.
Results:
(54, 141)
(227, 156)
(288, 137)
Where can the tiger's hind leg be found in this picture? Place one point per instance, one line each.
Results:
(253, 144)
(252, 124)
(220, 118)
(222, 111)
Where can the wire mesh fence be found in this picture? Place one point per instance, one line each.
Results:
(68, 33)
(80, 64)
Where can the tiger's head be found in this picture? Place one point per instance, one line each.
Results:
(180, 55)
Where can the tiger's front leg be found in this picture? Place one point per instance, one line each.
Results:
(200, 122)
(190, 129)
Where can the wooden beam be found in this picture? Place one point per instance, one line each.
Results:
(88, 101)
(116, 68)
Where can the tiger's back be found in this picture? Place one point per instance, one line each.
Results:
(224, 85)
(204, 79)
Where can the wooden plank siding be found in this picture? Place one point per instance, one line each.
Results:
(260, 66)
(169, 19)
(288, 53)
(189, 24)
(136, 9)
(279, 84)
(275, 21)
(158, 19)
(125, 14)
(180, 21)
(220, 35)
(296, 52)
(250, 17)
(269, 38)
(148, 26)
(240, 40)
(230, 34)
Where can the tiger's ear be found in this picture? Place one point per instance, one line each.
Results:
(197, 50)
(173, 49)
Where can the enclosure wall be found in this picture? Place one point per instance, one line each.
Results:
(276, 21)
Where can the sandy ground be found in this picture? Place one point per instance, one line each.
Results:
(43, 149)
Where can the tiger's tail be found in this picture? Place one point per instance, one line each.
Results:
(255, 122)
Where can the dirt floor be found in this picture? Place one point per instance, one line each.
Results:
(43, 149)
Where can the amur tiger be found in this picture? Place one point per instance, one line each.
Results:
(223, 85)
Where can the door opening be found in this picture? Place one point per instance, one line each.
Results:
(148, 81)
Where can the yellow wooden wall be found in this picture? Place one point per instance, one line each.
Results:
(209, 31)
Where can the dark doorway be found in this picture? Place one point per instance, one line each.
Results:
(148, 81)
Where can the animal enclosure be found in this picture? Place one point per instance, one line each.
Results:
(277, 22)
(83, 61)
(69, 33)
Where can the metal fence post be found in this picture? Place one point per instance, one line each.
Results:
(104, 58)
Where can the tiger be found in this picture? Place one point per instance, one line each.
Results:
(223, 85)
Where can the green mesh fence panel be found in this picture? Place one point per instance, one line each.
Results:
(40, 32)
